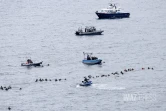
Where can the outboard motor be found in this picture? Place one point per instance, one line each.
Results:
(77, 33)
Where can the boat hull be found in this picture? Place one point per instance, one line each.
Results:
(112, 16)
(31, 64)
(92, 62)
(89, 83)
(89, 33)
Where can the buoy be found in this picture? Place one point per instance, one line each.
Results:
(9, 108)
(9, 87)
(1, 87)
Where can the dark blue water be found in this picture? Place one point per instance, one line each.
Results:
(44, 31)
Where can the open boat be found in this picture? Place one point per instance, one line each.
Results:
(90, 60)
(89, 31)
(30, 63)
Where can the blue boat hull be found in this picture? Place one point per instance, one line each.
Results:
(91, 62)
(112, 16)
(86, 83)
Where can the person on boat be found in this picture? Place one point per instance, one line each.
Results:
(29, 61)
(88, 57)
(94, 29)
(85, 79)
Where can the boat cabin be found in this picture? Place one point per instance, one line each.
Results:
(87, 29)
(110, 9)
(90, 29)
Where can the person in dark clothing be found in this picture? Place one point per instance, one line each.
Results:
(85, 79)
(29, 61)
(88, 57)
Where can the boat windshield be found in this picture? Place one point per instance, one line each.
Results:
(108, 11)
(80, 30)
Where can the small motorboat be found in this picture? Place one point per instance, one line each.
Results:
(30, 63)
(86, 83)
(111, 12)
(90, 60)
(89, 31)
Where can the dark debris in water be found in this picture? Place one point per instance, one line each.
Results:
(117, 73)
(42, 80)
(7, 88)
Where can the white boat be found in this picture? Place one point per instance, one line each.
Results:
(90, 60)
(91, 30)
(111, 12)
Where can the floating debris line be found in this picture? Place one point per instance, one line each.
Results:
(7, 88)
(118, 73)
(41, 80)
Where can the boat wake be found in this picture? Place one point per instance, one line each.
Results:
(107, 87)
(103, 87)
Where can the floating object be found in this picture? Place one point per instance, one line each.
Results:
(30, 63)
(86, 83)
(36, 80)
(91, 30)
(111, 12)
(90, 60)
(1, 88)
(9, 108)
